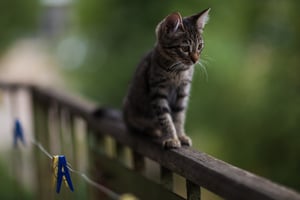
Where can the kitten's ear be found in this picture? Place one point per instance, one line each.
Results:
(172, 23)
(201, 19)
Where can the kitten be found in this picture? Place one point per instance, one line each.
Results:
(157, 99)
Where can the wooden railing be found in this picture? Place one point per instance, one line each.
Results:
(119, 159)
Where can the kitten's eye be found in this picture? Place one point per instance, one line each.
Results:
(185, 49)
(200, 46)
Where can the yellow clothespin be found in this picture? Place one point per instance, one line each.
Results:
(54, 169)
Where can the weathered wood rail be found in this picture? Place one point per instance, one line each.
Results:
(198, 168)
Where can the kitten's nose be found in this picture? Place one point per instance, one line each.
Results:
(194, 57)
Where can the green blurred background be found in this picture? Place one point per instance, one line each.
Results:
(246, 111)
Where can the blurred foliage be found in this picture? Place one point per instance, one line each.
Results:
(248, 112)
(10, 188)
(18, 19)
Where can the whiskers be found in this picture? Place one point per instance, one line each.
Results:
(203, 68)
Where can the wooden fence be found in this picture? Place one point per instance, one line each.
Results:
(119, 160)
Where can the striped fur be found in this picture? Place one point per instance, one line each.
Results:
(158, 95)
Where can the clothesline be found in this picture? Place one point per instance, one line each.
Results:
(19, 136)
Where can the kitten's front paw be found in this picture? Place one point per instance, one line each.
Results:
(185, 140)
(171, 143)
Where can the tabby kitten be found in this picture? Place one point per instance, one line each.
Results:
(158, 95)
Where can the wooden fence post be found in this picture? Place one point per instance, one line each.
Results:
(166, 177)
(193, 191)
(41, 133)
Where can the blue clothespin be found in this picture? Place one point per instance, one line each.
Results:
(18, 133)
(62, 172)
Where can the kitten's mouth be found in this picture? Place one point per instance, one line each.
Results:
(189, 63)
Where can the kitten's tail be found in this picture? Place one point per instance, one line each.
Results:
(108, 113)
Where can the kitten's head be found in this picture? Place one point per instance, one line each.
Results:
(180, 39)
